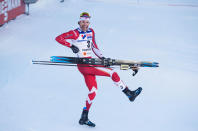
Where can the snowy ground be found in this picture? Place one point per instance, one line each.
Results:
(49, 98)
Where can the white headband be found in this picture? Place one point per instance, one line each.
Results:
(84, 18)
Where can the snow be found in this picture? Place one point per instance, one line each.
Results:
(48, 98)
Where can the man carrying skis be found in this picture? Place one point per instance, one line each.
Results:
(84, 45)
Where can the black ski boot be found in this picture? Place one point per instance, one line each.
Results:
(132, 94)
(84, 119)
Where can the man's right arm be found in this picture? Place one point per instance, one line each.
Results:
(68, 35)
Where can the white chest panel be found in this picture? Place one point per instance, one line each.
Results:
(84, 43)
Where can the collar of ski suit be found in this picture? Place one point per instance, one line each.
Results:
(82, 32)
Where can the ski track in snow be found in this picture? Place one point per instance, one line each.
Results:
(49, 98)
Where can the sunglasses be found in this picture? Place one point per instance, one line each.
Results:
(85, 14)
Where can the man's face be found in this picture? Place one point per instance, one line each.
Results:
(84, 25)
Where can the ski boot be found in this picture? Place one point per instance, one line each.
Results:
(84, 119)
(132, 94)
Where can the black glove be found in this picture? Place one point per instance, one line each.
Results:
(74, 49)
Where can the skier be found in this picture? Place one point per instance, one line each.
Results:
(82, 42)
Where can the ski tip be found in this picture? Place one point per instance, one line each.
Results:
(155, 66)
(33, 61)
(155, 63)
(140, 89)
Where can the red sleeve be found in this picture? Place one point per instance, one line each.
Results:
(95, 48)
(72, 34)
(93, 39)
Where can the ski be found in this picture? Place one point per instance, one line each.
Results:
(51, 63)
(63, 64)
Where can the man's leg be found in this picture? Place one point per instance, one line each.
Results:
(90, 81)
(118, 82)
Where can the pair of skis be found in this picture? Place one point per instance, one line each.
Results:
(95, 62)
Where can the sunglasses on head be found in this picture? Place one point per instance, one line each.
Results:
(85, 14)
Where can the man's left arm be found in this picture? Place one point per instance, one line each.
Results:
(95, 48)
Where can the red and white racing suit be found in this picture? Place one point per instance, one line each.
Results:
(85, 41)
